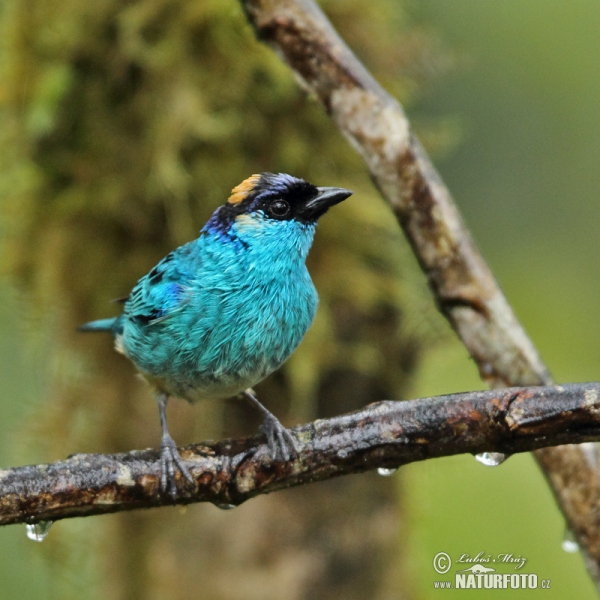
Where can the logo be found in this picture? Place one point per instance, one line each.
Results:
(478, 569)
(481, 575)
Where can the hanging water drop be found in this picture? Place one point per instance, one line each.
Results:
(386, 472)
(224, 506)
(38, 531)
(491, 459)
(569, 543)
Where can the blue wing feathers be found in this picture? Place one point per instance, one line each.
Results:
(163, 290)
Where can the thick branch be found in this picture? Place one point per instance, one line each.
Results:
(462, 284)
(377, 127)
(385, 434)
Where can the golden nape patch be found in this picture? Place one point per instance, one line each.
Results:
(240, 192)
(246, 222)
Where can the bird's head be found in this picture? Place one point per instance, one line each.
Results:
(269, 204)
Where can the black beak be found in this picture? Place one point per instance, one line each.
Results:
(325, 199)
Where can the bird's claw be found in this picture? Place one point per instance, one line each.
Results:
(170, 460)
(279, 439)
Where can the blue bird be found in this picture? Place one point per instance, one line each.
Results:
(220, 313)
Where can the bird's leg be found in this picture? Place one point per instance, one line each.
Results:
(279, 439)
(169, 455)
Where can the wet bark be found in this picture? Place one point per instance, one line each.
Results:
(385, 434)
(463, 286)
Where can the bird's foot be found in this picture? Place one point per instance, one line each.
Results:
(170, 461)
(279, 439)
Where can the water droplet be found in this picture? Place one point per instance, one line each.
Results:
(386, 472)
(569, 544)
(224, 506)
(38, 531)
(491, 459)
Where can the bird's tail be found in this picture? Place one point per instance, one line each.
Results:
(109, 325)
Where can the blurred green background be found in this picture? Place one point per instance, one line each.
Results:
(115, 148)
(526, 178)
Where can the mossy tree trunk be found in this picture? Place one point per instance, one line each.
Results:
(123, 126)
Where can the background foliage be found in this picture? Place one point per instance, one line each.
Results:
(123, 125)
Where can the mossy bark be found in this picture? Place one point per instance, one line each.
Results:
(123, 126)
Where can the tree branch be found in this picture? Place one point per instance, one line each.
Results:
(462, 283)
(377, 127)
(385, 434)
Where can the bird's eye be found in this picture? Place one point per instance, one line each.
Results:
(279, 209)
